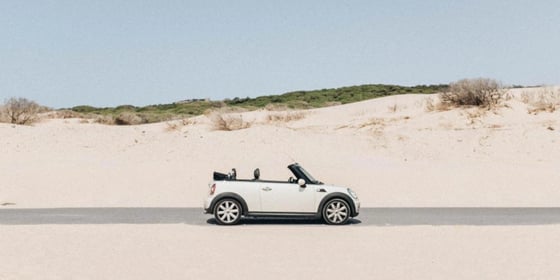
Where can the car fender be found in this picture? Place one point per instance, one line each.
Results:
(229, 195)
(340, 195)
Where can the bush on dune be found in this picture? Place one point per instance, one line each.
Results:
(20, 111)
(481, 92)
(128, 118)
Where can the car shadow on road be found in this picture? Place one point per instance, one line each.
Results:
(281, 221)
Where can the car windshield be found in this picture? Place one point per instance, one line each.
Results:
(308, 175)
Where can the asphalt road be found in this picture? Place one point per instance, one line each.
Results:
(367, 217)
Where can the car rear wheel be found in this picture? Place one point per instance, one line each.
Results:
(336, 212)
(228, 212)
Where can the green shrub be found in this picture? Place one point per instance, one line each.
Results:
(129, 114)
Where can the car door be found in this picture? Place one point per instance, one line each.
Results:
(287, 198)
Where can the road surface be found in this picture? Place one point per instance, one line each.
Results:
(367, 217)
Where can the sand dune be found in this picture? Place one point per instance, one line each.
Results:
(392, 151)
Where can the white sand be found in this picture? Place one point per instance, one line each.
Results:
(390, 150)
(278, 252)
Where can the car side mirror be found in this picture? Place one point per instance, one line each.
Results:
(301, 183)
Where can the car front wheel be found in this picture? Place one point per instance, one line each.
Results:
(228, 212)
(336, 212)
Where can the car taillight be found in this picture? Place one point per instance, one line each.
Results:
(212, 189)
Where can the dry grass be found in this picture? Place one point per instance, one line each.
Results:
(373, 122)
(475, 116)
(3, 116)
(376, 124)
(332, 103)
(393, 109)
(495, 126)
(108, 120)
(125, 118)
(228, 122)
(433, 105)
(227, 118)
(545, 100)
(430, 105)
(65, 114)
(177, 125)
(172, 126)
(283, 117)
(276, 107)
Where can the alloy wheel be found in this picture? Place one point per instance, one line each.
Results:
(228, 212)
(336, 212)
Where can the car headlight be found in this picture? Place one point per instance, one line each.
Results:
(352, 194)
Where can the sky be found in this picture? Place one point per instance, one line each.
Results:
(113, 52)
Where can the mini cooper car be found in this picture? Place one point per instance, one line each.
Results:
(229, 199)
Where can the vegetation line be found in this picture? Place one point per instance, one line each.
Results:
(130, 115)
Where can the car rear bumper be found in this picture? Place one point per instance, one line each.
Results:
(208, 204)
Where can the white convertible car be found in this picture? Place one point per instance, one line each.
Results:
(230, 198)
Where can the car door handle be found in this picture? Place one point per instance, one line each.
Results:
(266, 189)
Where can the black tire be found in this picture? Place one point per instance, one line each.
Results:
(336, 212)
(228, 212)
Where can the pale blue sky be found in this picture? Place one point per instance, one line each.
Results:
(106, 53)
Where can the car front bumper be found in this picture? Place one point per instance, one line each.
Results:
(356, 207)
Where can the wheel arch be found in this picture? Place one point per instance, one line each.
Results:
(331, 196)
(232, 196)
